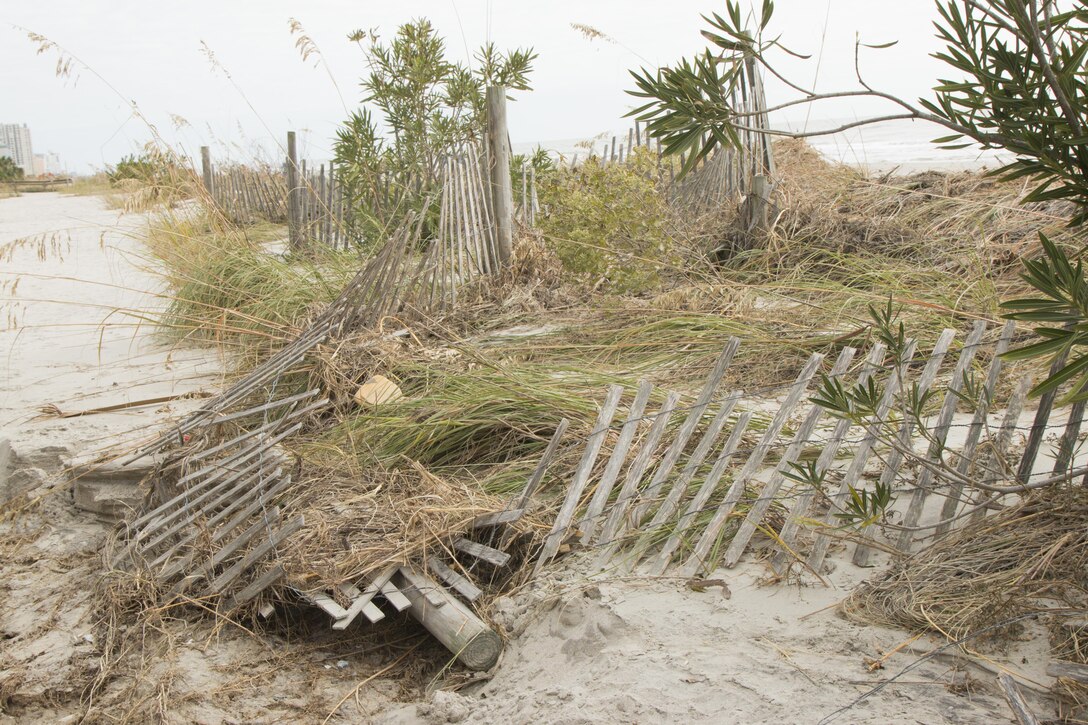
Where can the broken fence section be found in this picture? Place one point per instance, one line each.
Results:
(700, 481)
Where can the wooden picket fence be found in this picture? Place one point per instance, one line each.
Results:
(703, 504)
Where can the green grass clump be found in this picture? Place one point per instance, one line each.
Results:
(610, 221)
(471, 419)
(230, 284)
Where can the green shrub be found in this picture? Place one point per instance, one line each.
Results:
(609, 221)
(8, 170)
(138, 168)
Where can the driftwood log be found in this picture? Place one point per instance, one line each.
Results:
(452, 623)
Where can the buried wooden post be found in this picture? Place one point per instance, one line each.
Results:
(206, 169)
(452, 623)
(294, 228)
(498, 155)
(756, 204)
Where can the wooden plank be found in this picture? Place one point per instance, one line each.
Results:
(394, 596)
(194, 531)
(534, 481)
(1015, 698)
(1069, 670)
(581, 477)
(939, 436)
(616, 461)
(481, 551)
(763, 503)
(974, 432)
(294, 206)
(904, 438)
(257, 553)
(613, 525)
(265, 407)
(502, 193)
(264, 497)
(192, 511)
(166, 512)
(687, 428)
(499, 517)
(205, 570)
(702, 496)
(327, 604)
(255, 587)
(361, 601)
(861, 455)
(995, 455)
(1068, 442)
(700, 556)
(672, 501)
(460, 584)
(788, 536)
(226, 491)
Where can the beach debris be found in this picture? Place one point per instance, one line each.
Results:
(376, 391)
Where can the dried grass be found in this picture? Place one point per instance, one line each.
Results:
(1030, 557)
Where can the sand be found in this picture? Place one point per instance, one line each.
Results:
(75, 293)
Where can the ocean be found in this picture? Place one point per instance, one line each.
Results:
(901, 146)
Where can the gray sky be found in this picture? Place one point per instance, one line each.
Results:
(150, 53)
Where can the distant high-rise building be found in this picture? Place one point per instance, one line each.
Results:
(17, 140)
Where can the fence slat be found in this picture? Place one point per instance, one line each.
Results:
(905, 436)
(766, 496)
(700, 556)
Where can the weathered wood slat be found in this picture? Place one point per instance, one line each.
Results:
(255, 555)
(672, 501)
(460, 584)
(481, 551)
(767, 496)
(361, 600)
(542, 466)
(905, 436)
(394, 596)
(792, 527)
(1015, 698)
(864, 449)
(939, 436)
(687, 428)
(993, 466)
(499, 517)
(1069, 670)
(255, 587)
(614, 524)
(195, 531)
(702, 496)
(226, 418)
(264, 523)
(701, 554)
(974, 432)
(581, 478)
(615, 461)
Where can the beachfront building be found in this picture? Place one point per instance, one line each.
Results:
(16, 139)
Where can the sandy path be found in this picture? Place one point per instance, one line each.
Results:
(73, 285)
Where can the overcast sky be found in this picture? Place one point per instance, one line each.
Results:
(150, 54)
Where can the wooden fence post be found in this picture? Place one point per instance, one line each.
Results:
(502, 192)
(294, 228)
(206, 169)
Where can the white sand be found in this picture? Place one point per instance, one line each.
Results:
(74, 290)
